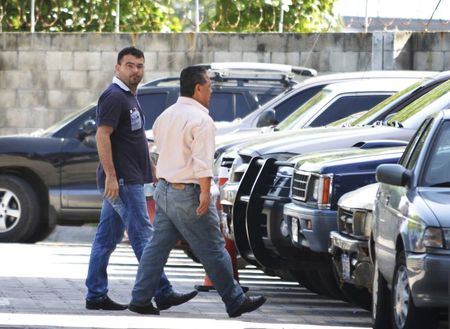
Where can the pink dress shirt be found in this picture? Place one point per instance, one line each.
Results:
(185, 138)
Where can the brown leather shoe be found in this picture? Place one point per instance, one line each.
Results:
(248, 305)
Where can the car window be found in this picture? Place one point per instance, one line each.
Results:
(292, 119)
(436, 171)
(153, 105)
(228, 106)
(412, 151)
(368, 117)
(285, 108)
(415, 113)
(344, 106)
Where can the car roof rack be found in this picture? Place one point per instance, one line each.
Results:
(247, 72)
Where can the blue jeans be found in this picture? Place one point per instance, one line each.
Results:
(175, 218)
(128, 211)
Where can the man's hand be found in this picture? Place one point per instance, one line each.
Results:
(111, 188)
(204, 203)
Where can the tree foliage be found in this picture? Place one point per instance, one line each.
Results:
(265, 16)
(167, 15)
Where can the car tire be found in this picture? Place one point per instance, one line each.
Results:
(380, 301)
(310, 280)
(19, 209)
(405, 315)
(360, 297)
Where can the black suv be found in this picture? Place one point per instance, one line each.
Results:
(48, 177)
(238, 89)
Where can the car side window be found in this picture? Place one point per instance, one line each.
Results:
(228, 106)
(344, 106)
(285, 108)
(436, 171)
(153, 105)
(411, 154)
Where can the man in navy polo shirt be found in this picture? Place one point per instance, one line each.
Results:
(123, 170)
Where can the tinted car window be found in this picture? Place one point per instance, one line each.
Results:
(153, 105)
(285, 108)
(436, 171)
(409, 157)
(227, 106)
(346, 105)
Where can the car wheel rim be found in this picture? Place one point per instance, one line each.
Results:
(9, 210)
(401, 297)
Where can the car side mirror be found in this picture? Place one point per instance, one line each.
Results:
(88, 128)
(393, 174)
(267, 118)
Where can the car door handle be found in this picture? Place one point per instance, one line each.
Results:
(386, 201)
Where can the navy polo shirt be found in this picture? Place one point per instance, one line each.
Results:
(119, 109)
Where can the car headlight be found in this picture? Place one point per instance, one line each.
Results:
(362, 220)
(321, 190)
(433, 238)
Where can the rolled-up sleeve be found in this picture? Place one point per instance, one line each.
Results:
(202, 148)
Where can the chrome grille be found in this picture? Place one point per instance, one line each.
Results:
(300, 185)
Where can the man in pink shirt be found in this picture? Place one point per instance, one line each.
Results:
(184, 134)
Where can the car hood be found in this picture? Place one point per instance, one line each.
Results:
(348, 159)
(321, 139)
(362, 198)
(437, 199)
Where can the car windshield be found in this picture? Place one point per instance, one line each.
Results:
(366, 118)
(415, 113)
(293, 118)
(58, 125)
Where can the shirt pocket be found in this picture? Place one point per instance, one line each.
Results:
(135, 119)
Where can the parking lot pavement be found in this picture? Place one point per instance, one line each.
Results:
(42, 286)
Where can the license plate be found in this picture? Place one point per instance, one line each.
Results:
(345, 261)
(294, 229)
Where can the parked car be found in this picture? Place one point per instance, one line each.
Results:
(411, 231)
(283, 145)
(259, 230)
(282, 106)
(349, 244)
(238, 88)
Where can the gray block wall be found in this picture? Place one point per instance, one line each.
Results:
(45, 76)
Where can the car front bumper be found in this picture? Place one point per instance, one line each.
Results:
(310, 228)
(429, 278)
(351, 259)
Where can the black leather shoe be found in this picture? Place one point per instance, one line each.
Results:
(149, 309)
(175, 299)
(106, 304)
(250, 304)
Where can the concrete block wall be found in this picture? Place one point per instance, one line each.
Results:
(45, 76)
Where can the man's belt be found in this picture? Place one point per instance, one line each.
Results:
(177, 186)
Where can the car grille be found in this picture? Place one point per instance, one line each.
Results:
(300, 185)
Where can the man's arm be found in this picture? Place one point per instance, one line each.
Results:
(205, 186)
(105, 155)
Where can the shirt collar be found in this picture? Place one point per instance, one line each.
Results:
(119, 82)
(191, 101)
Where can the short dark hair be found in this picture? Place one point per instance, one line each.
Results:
(129, 51)
(189, 77)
